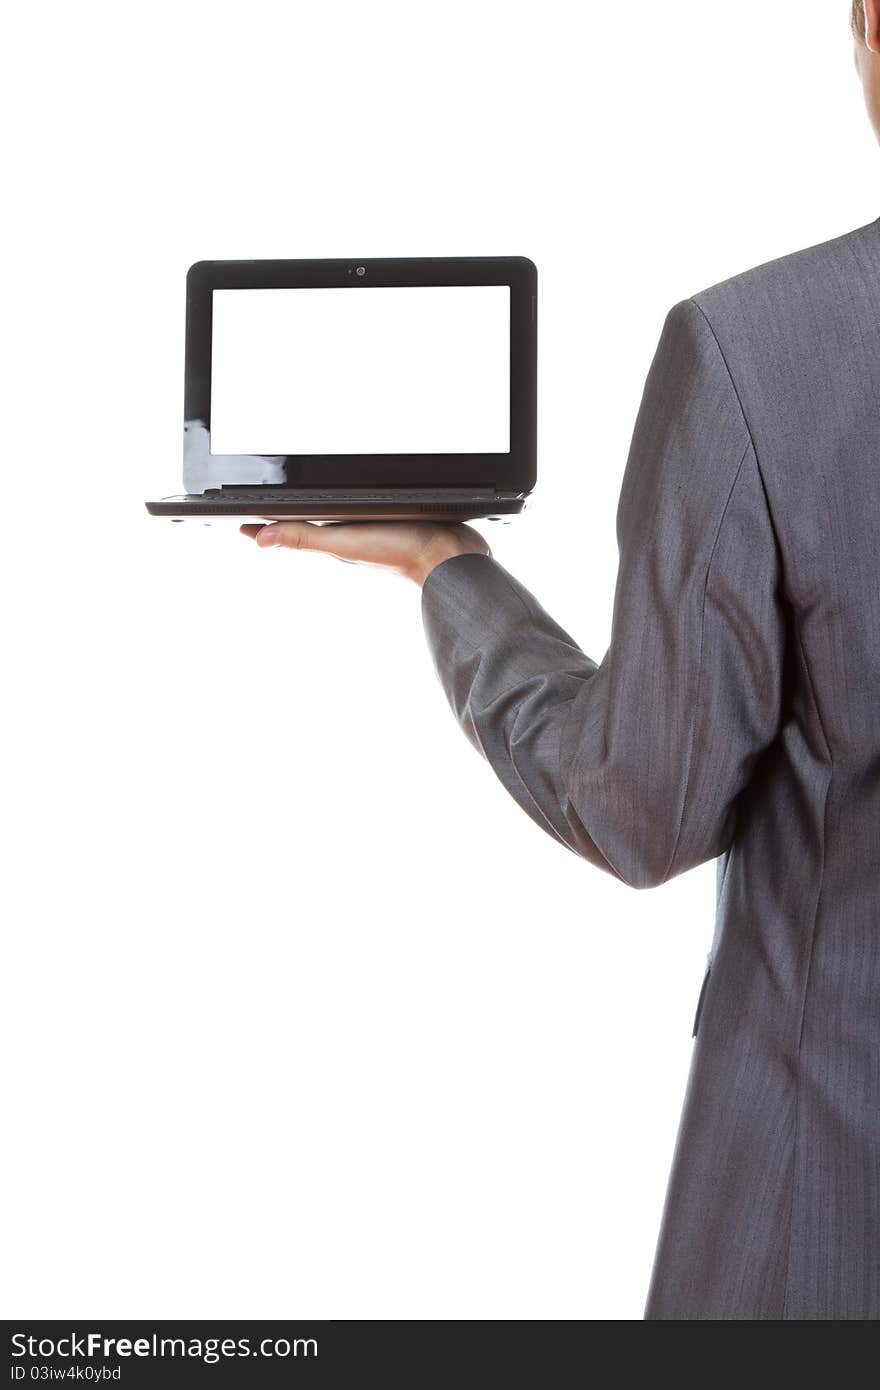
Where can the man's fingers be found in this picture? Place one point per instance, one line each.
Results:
(404, 546)
(298, 535)
(293, 535)
(286, 533)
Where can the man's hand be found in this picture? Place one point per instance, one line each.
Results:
(412, 548)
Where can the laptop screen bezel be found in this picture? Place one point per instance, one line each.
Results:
(514, 471)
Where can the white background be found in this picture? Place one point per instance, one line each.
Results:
(301, 1015)
(361, 370)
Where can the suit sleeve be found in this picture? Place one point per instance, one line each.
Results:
(636, 763)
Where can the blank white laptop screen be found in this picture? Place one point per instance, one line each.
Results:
(361, 369)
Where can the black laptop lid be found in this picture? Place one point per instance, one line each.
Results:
(392, 373)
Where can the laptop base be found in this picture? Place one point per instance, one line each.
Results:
(349, 504)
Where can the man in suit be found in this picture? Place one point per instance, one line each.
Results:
(735, 716)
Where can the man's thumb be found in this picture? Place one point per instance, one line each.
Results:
(293, 534)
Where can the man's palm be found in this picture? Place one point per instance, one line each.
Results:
(412, 548)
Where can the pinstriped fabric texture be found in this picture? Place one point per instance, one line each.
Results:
(735, 715)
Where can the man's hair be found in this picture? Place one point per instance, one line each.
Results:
(858, 18)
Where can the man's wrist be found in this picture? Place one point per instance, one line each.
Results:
(443, 548)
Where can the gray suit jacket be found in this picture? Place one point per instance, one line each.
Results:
(736, 713)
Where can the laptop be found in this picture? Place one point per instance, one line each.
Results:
(346, 389)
